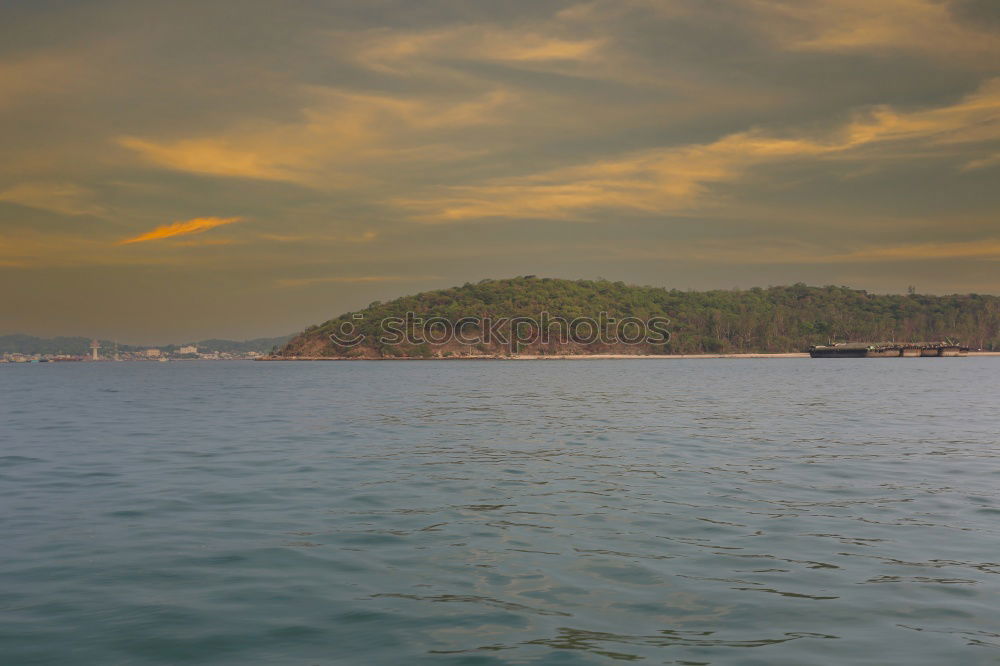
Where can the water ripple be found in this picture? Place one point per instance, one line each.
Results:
(686, 512)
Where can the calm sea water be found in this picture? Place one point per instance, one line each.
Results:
(591, 512)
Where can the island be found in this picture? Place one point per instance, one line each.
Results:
(540, 317)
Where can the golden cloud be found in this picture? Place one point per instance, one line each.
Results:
(339, 131)
(63, 198)
(922, 26)
(578, 44)
(778, 250)
(982, 163)
(211, 156)
(395, 51)
(679, 178)
(979, 249)
(207, 242)
(193, 226)
(364, 237)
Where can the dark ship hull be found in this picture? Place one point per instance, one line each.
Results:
(886, 350)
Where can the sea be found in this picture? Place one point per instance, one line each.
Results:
(660, 511)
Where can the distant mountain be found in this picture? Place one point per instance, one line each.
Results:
(262, 345)
(775, 319)
(29, 344)
(77, 346)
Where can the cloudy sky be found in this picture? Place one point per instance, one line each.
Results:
(236, 168)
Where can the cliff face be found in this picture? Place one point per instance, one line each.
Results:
(543, 316)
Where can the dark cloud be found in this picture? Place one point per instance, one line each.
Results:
(982, 14)
(692, 143)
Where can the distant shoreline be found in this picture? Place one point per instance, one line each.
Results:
(536, 357)
(564, 357)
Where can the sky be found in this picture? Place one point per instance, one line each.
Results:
(182, 170)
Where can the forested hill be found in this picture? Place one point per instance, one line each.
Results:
(775, 319)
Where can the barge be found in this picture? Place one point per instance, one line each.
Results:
(887, 349)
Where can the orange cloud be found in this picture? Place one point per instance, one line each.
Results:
(989, 161)
(399, 52)
(193, 226)
(364, 237)
(206, 242)
(338, 131)
(922, 26)
(779, 250)
(210, 156)
(64, 198)
(680, 178)
(979, 249)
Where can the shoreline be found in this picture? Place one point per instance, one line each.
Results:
(538, 357)
(568, 357)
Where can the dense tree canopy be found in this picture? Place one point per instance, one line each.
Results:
(775, 319)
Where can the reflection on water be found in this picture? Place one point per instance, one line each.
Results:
(689, 512)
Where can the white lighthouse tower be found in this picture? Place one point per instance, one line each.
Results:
(94, 346)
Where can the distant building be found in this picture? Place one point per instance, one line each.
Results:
(153, 353)
(188, 349)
